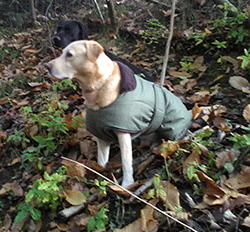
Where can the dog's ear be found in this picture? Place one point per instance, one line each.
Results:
(93, 50)
(83, 34)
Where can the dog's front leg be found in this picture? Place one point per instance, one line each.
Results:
(102, 152)
(125, 143)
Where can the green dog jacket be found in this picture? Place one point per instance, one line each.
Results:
(141, 108)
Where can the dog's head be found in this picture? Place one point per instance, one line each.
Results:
(79, 58)
(69, 31)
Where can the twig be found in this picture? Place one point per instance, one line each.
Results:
(99, 11)
(132, 194)
(68, 212)
(165, 62)
(50, 40)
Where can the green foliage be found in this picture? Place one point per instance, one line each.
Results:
(219, 44)
(245, 58)
(155, 31)
(51, 129)
(240, 141)
(8, 54)
(102, 186)
(158, 188)
(191, 170)
(99, 221)
(63, 85)
(229, 27)
(199, 139)
(46, 192)
(19, 136)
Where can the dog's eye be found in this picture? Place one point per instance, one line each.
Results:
(68, 55)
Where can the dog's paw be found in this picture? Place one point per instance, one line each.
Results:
(127, 183)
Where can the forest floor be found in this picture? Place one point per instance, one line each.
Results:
(202, 181)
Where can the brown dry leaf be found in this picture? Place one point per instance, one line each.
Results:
(172, 198)
(15, 161)
(144, 64)
(218, 77)
(198, 64)
(33, 131)
(180, 74)
(147, 215)
(213, 194)
(181, 216)
(119, 190)
(122, 192)
(194, 156)
(246, 113)
(239, 83)
(74, 169)
(136, 226)
(12, 187)
(82, 219)
(167, 148)
(241, 180)
(231, 60)
(3, 135)
(86, 149)
(74, 197)
(96, 166)
(94, 209)
(226, 157)
(196, 111)
(63, 227)
(190, 83)
(220, 123)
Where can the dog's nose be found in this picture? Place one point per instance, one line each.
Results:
(57, 40)
(48, 66)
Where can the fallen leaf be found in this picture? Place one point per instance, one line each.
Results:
(74, 197)
(167, 148)
(239, 82)
(147, 214)
(246, 113)
(194, 156)
(241, 180)
(211, 189)
(224, 157)
(220, 123)
(196, 111)
(94, 209)
(74, 169)
(172, 197)
(181, 216)
(180, 74)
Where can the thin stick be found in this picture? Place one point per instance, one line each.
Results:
(48, 27)
(99, 11)
(129, 192)
(165, 61)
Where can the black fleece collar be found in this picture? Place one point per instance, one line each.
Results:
(128, 82)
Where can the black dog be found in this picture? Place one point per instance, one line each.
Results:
(72, 30)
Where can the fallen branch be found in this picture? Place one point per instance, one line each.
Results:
(66, 213)
(165, 61)
(132, 194)
(99, 11)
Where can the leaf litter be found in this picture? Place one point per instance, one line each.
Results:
(219, 196)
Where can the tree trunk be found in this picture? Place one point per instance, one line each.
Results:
(33, 12)
(112, 13)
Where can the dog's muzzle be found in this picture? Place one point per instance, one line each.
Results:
(57, 41)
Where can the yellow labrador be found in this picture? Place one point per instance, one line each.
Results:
(100, 79)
